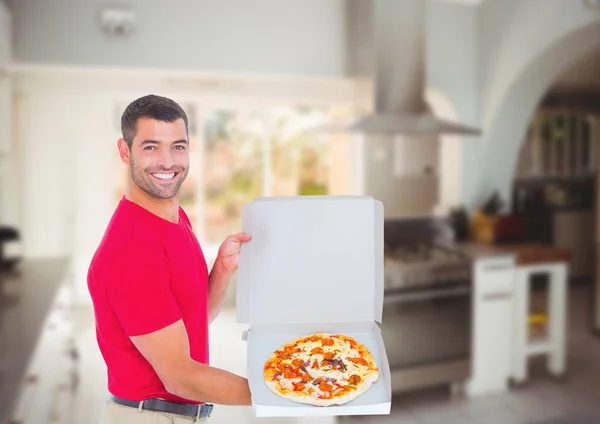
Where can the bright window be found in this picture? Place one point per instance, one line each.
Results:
(268, 153)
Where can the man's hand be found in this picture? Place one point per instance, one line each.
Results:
(229, 251)
(225, 265)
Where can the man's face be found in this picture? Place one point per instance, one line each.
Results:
(159, 157)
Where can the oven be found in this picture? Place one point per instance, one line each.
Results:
(427, 310)
(427, 334)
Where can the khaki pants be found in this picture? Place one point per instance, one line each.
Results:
(113, 413)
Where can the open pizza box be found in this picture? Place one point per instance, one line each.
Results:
(314, 264)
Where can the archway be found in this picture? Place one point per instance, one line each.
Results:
(503, 137)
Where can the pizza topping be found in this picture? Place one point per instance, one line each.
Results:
(316, 350)
(325, 387)
(283, 355)
(331, 380)
(327, 342)
(328, 355)
(299, 386)
(315, 365)
(360, 361)
(298, 363)
(289, 374)
(354, 379)
(283, 368)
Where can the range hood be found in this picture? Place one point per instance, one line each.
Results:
(400, 107)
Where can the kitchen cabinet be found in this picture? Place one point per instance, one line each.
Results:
(573, 231)
(559, 144)
(494, 278)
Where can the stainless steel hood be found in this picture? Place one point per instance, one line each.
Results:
(400, 107)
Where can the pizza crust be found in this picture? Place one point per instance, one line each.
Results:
(340, 400)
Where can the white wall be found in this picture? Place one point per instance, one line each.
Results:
(303, 37)
(46, 127)
(452, 76)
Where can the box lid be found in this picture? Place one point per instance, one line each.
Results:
(311, 259)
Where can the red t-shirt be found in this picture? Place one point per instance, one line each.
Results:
(146, 274)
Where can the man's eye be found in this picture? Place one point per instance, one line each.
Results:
(180, 147)
(149, 148)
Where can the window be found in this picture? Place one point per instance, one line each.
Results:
(268, 153)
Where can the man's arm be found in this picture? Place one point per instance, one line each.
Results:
(218, 283)
(167, 350)
(220, 275)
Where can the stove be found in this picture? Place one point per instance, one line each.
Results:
(424, 265)
(426, 323)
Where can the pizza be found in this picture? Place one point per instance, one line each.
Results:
(321, 369)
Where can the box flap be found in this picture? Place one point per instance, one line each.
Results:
(311, 259)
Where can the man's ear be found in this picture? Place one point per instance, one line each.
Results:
(123, 151)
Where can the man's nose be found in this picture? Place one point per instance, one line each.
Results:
(165, 159)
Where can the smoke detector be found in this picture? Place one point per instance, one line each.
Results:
(117, 22)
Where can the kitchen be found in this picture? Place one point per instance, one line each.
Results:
(467, 81)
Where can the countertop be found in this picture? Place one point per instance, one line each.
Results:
(26, 295)
(524, 253)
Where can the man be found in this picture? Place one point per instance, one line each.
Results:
(153, 295)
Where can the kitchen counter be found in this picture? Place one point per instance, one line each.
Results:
(26, 295)
(524, 253)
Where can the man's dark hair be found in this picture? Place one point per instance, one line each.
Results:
(153, 107)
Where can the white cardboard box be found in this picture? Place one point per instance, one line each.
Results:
(314, 264)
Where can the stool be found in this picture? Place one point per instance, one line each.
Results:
(554, 345)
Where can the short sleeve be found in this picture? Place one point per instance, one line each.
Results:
(139, 291)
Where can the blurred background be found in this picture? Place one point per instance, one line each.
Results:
(475, 122)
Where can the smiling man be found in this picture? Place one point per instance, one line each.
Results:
(152, 292)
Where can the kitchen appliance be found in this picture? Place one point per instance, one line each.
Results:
(400, 107)
(427, 306)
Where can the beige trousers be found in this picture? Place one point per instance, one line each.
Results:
(113, 413)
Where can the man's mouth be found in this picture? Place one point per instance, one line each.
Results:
(165, 176)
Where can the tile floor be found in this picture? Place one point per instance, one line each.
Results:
(539, 401)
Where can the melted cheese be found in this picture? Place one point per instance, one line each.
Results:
(341, 350)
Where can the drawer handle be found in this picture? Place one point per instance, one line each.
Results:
(503, 267)
(496, 296)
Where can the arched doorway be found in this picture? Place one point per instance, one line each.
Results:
(506, 128)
